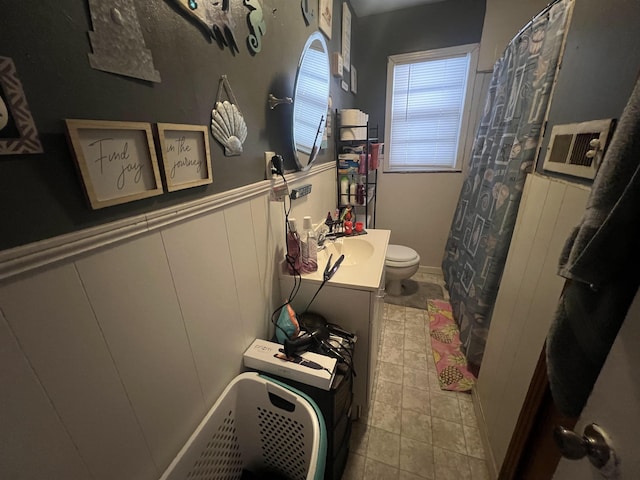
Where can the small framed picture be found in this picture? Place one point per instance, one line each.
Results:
(186, 156)
(344, 85)
(325, 18)
(346, 35)
(18, 133)
(354, 80)
(117, 160)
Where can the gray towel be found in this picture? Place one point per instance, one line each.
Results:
(602, 261)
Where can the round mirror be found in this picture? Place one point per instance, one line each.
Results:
(310, 100)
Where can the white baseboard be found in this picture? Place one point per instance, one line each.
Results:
(430, 270)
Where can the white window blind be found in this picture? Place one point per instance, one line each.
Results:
(426, 111)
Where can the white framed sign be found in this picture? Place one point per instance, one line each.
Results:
(186, 156)
(346, 36)
(117, 160)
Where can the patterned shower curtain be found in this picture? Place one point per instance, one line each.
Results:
(503, 153)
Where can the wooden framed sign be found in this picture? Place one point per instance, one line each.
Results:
(117, 160)
(186, 157)
(325, 17)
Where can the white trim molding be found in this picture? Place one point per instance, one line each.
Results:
(21, 259)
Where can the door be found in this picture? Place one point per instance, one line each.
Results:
(614, 405)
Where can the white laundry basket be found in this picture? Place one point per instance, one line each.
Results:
(257, 424)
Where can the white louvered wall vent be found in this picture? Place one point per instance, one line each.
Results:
(577, 148)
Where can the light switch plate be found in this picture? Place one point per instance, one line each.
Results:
(337, 64)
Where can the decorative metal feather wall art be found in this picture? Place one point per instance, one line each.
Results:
(307, 12)
(227, 123)
(117, 42)
(216, 17)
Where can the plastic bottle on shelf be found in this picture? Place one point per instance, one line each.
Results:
(344, 190)
(361, 191)
(309, 246)
(362, 164)
(294, 254)
(353, 191)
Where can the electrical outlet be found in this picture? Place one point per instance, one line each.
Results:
(268, 175)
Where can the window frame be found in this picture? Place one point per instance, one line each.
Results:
(471, 51)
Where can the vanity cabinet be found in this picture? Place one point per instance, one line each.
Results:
(360, 169)
(354, 300)
(357, 311)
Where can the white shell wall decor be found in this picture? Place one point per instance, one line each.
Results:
(228, 127)
(227, 123)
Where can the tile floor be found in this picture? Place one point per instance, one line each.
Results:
(413, 429)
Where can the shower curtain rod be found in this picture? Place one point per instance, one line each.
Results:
(535, 17)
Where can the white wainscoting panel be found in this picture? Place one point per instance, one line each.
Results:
(516, 288)
(35, 443)
(200, 262)
(521, 243)
(57, 330)
(118, 338)
(242, 244)
(266, 246)
(528, 296)
(516, 348)
(567, 204)
(134, 299)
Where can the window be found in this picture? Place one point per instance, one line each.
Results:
(428, 102)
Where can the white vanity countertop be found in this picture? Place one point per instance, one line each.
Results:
(363, 265)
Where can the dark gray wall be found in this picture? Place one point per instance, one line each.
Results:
(41, 195)
(427, 27)
(600, 66)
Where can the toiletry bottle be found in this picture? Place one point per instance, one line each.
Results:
(309, 247)
(361, 191)
(362, 164)
(329, 222)
(294, 255)
(344, 190)
(353, 190)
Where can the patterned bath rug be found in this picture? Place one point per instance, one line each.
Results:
(451, 364)
(415, 294)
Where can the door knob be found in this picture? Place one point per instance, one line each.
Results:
(594, 444)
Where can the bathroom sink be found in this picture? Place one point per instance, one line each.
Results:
(363, 264)
(355, 250)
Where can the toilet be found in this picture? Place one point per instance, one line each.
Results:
(400, 263)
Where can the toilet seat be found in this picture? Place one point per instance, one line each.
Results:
(401, 256)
